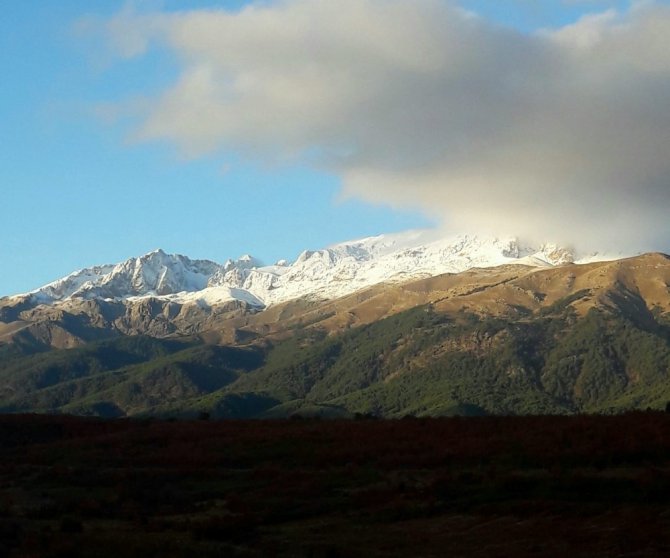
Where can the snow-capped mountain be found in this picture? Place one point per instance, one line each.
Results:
(328, 273)
(154, 274)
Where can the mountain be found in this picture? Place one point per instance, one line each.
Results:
(525, 336)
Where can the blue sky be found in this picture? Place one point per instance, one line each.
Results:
(76, 194)
(77, 191)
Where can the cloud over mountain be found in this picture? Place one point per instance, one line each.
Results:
(559, 134)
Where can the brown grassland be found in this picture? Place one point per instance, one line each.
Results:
(591, 486)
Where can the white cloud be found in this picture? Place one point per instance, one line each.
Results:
(563, 134)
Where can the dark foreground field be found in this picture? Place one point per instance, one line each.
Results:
(553, 486)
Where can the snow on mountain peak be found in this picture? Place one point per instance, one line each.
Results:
(154, 273)
(335, 271)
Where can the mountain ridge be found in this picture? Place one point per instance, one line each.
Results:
(328, 273)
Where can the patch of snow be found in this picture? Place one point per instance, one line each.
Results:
(211, 296)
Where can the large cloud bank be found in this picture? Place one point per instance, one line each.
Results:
(559, 134)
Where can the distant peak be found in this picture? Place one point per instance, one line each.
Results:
(156, 252)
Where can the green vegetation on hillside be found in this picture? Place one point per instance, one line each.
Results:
(417, 362)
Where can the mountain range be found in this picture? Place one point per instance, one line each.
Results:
(334, 271)
(162, 294)
(408, 323)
